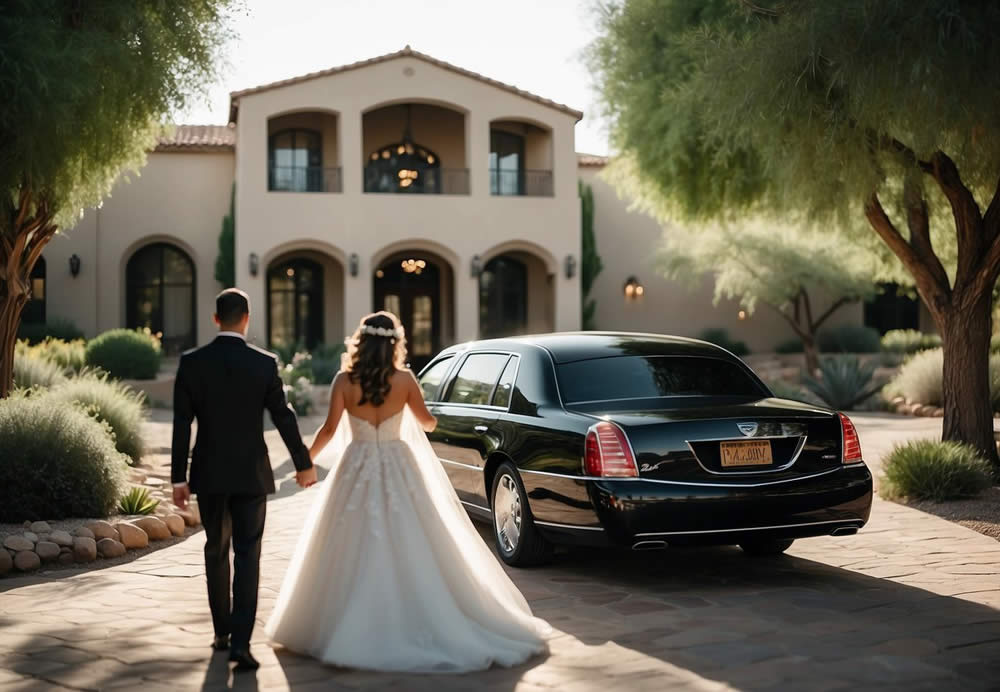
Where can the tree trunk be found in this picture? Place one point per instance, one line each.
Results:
(968, 409)
(811, 352)
(10, 317)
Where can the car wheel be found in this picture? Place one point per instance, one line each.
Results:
(518, 540)
(766, 547)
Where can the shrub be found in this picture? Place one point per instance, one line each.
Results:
(126, 354)
(786, 390)
(63, 330)
(69, 355)
(137, 501)
(849, 338)
(720, 337)
(58, 462)
(325, 363)
(995, 343)
(920, 379)
(299, 395)
(111, 402)
(844, 382)
(35, 372)
(906, 341)
(790, 346)
(934, 470)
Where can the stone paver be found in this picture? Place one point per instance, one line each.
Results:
(912, 602)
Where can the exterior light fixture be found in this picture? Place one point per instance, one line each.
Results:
(569, 265)
(254, 264)
(475, 267)
(74, 265)
(633, 289)
(742, 314)
(413, 266)
(353, 263)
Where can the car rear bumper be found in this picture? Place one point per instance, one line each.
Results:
(651, 514)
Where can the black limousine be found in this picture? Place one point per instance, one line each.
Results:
(636, 440)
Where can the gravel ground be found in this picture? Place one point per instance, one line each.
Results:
(980, 514)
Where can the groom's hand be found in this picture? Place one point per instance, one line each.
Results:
(306, 478)
(182, 493)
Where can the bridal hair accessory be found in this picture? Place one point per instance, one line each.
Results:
(382, 331)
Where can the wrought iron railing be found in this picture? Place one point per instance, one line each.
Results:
(430, 181)
(520, 183)
(304, 179)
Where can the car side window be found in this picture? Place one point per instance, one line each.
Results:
(501, 397)
(430, 381)
(476, 379)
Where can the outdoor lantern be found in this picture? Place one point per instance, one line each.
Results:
(74, 265)
(475, 267)
(352, 262)
(633, 289)
(254, 264)
(570, 266)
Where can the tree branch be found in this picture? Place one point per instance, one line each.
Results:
(968, 221)
(991, 219)
(795, 325)
(918, 221)
(839, 303)
(808, 307)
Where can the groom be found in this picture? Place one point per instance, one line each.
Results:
(227, 385)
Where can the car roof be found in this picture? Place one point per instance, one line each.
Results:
(568, 347)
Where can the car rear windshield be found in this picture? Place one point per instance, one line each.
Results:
(642, 377)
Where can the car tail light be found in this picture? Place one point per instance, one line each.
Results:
(851, 444)
(607, 452)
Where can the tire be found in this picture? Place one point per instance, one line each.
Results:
(766, 547)
(528, 547)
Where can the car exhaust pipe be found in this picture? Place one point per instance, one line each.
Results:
(845, 531)
(649, 545)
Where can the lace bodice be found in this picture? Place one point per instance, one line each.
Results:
(386, 431)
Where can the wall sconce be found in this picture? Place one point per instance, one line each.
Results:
(633, 289)
(254, 264)
(74, 265)
(475, 267)
(569, 265)
(353, 263)
(742, 314)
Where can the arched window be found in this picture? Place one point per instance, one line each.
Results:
(295, 303)
(503, 297)
(34, 309)
(159, 294)
(403, 167)
(295, 161)
(506, 163)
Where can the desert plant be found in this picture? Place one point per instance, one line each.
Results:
(919, 380)
(720, 337)
(934, 470)
(843, 382)
(69, 355)
(112, 402)
(56, 329)
(137, 501)
(906, 341)
(790, 346)
(849, 338)
(30, 371)
(57, 461)
(126, 353)
(787, 390)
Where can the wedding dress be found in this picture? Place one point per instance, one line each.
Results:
(389, 573)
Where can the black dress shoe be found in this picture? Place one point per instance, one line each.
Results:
(221, 643)
(243, 660)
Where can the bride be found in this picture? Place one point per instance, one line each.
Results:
(390, 573)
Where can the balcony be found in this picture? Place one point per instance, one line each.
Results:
(520, 183)
(304, 179)
(428, 181)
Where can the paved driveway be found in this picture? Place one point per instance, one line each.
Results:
(912, 602)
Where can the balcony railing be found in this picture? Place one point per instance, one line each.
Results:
(520, 183)
(304, 179)
(430, 181)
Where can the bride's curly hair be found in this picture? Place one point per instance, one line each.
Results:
(375, 351)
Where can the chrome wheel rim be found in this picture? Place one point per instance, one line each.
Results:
(507, 514)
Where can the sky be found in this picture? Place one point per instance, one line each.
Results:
(534, 45)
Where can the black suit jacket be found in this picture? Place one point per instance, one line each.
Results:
(227, 385)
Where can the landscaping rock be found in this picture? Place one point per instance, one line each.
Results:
(31, 536)
(62, 538)
(175, 524)
(27, 525)
(153, 526)
(84, 549)
(40, 527)
(109, 548)
(47, 550)
(102, 529)
(154, 482)
(66, 557)
(18, 543)
(187, 516)
(84, 532)
(27, 560)
(6, 562)
(132, 536)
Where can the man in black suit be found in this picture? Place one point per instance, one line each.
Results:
(227, 385)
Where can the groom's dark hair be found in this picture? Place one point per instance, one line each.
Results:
(231, 306)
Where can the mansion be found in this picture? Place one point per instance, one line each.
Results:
(402, 183)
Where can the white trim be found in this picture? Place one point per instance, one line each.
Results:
(568, 526)
(458, 463)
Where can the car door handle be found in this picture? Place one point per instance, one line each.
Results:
(481, 428)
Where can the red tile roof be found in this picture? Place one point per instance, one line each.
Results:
(198, 138)
(407, 52)
(591, 160)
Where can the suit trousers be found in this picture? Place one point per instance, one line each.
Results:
(239, 520)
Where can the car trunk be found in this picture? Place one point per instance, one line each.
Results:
(725, 440)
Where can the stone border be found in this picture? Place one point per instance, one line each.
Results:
(909, 408)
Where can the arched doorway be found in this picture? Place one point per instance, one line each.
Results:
(416, 286)
(34, 309)
(160, 295)
(295, 303)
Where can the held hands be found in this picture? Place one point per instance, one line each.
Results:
(182, 493)
(306, 478)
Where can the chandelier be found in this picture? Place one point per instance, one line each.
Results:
(413, 266)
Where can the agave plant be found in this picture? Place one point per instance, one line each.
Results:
(843, 382)
(137, 501)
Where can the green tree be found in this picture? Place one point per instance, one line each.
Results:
(873, 117)
(225, 261)
(590, 262)
(83, 90)
(782, 268)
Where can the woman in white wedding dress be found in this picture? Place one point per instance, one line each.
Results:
(389, 573)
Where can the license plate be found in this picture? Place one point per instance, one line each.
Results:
(746, 453)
